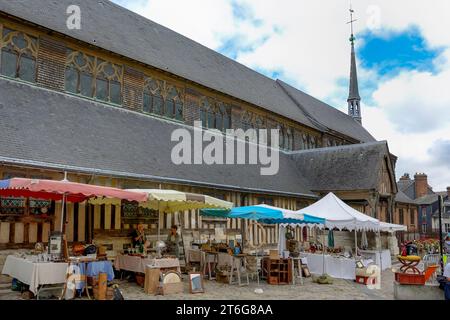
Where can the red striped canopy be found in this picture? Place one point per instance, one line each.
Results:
(54, 190)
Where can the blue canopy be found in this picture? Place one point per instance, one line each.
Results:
(264, 214)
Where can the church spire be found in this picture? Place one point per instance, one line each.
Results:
(354, 100)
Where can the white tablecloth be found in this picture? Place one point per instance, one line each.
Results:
(138, 264)
(35, 274)
(336, 267)
(383, 259)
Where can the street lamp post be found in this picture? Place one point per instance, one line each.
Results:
(440, 200)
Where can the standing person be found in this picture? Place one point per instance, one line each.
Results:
(173, 241)
(138, 237)
(447, 283)
(447, 244)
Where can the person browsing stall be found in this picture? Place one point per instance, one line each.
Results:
(173, 241)
(138, 237)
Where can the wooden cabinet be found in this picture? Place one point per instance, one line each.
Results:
(277, 271)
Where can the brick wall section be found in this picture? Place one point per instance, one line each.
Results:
(421, 185)
(51, 62)
(133, 85)
(191, 107)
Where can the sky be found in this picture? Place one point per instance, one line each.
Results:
(403, 57)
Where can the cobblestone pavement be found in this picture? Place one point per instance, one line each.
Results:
(339, 290)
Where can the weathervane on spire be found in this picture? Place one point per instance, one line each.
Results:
(352, 38)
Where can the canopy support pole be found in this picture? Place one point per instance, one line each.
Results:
(381, 252)
(63, 204)
(356, 243)
(323, 252)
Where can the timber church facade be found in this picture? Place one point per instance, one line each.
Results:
(101, 103)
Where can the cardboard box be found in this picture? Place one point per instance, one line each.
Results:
(102, 250)
(151, 280)
(274, 254)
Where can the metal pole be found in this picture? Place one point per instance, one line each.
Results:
(356, 243)
(441, 240)
(323, 252)
(62, 212)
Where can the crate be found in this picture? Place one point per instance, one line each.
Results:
(152, 276)
(365, 280)
(410, 278)
(172, 288)
(109, 293)
(272, 280)
(222, 278)
(140, 279)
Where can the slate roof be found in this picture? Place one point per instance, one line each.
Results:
(427, 199)
(331, 118)
(403, 198)
(121, 31)
(348, 167)
(59, 130)
(405, 184)
(353, 86)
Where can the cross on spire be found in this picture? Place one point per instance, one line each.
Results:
(352, 38)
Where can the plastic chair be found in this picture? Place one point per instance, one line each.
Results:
(253, 264)
(430, 272)
(430, 260)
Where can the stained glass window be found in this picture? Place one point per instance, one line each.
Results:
(19, 52)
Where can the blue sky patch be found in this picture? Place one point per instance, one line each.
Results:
(390, 54)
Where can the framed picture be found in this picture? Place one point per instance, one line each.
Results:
(196, 282)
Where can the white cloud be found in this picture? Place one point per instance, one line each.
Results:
(411, 111)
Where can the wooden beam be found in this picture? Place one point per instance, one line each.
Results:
(58, 216)
(107, 216)
(97, 217)
(18, 232)
(117, 223)
(45, 231)
(70, 222)
(4, 232)
(32, 232)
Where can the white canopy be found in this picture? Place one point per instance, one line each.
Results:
(338, 214)
(389, 227)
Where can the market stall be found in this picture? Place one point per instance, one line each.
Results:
(34, 273)
(336, 266)
(50, 265)
(138, 263)
(277, 269)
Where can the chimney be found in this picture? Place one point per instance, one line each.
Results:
(448, 193)
(421, 184)
(405, 177)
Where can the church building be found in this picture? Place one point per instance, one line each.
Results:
(101, 103)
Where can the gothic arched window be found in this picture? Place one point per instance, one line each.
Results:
(162, 99)
(80, 69)
(108, 82)
(215, 115)
(93, 77)
(18, 55)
